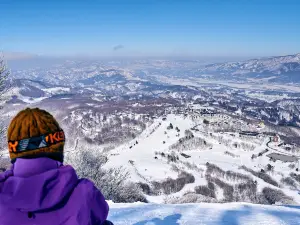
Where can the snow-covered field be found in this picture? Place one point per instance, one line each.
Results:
(203, 214)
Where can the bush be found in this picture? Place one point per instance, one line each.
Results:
(192, 166)
(213, 169)
(246, 192)
(211, 186)
(265, 177)
(170, 185)
(261, 199)
(205, 121)
(243, 192)
(270, 167)
(295, 176)
(268, 179)
(246, 186)
(289, 181)
(227, 188)
(188, 133)
(170, 126)
(190, 198)
(274, 196)
(231, 154)
(4, 164)
(172, 158)
(236, 176)
(188, 178)
(190, 143)
(228, 192)
(156, 187)
(112, 182)
(292, 166)
(175, 168)
(206, 191)
(145, 188)
(130, 193)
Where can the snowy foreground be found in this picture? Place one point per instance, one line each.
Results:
(203, 213)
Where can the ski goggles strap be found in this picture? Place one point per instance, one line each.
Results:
(36, 142)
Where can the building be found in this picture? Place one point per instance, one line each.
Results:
(276, 138)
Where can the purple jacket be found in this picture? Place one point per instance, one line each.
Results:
(43, 191)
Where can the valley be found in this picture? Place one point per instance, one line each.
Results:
(178, 137)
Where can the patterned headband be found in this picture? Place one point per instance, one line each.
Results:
(36, 142)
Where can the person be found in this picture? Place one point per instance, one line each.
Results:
(39, 188)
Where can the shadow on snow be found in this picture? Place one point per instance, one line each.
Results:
(170, 220)
(234, 217)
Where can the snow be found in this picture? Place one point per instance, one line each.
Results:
(254, 86)
(145, 166)
(268, 98)
(15, 91)
(56, 90)
(31, 100)
(143, 156)
(203, 214)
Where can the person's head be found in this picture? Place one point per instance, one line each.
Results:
(35, 133)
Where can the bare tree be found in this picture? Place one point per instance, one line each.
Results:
(4, 73)
(113, 183)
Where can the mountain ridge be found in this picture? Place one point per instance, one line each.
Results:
(277, 68)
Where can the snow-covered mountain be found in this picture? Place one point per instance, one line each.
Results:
(70, 72)
(221, 163)
(181, 139)
(292, 105)
(279, 68)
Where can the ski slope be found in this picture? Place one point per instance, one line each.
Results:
(145, 166)
(203, 214)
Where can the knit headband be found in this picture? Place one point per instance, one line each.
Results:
(33, 143)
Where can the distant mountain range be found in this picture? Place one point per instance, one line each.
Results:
(279, 69)
(283, 69)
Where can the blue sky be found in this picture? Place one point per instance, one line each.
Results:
(205, 28)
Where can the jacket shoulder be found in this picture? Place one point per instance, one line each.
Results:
(87, 187)
(94, 199)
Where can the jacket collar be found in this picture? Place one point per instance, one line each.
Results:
(31, 167)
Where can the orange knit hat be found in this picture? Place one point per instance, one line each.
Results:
(35, 133)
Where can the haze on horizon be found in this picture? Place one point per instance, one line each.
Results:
(212, 29)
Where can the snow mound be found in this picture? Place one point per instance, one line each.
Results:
(203, 213)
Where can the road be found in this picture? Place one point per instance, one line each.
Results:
(276, 150)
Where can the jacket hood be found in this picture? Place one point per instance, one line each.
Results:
(36, 184)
